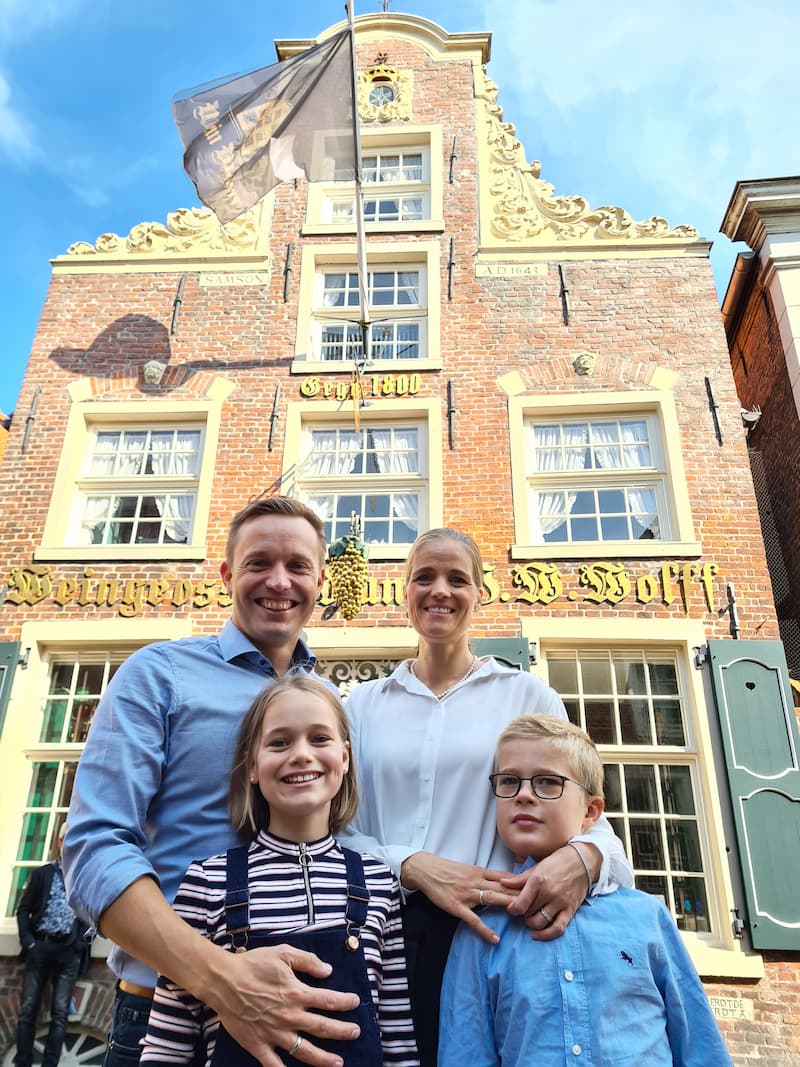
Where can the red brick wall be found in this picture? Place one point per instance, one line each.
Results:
(762, 380)
(636, 314)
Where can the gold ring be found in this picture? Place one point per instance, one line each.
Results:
(298, 1041)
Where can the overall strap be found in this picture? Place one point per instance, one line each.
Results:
(237, 896)
(357, 892)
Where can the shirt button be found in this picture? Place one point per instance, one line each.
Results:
(576, 1050)
(569, 975)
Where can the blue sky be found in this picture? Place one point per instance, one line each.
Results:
(658, 108)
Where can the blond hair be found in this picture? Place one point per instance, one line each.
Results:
(573, 743)
(248, 809)
(447, 533)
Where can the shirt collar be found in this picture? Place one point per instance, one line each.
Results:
(404, 677)
(291, 848)
(233, 643)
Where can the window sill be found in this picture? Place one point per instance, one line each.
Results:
(714, 962)
(375, 366)
(97, 553)
(324, 229)
(607, 550)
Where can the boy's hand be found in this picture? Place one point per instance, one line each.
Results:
(458, 887)
(551, 892)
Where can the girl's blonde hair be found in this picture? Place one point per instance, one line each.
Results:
(248, 809)
(447, 533)
(573, 743)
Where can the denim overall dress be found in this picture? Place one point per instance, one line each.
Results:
(340, 946)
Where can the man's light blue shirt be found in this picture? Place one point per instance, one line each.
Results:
(151, 790)
(617, 989)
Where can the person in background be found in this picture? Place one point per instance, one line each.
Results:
(151, 795)
(422, 738)
(293, 786)
(54, 949)
(618, 987)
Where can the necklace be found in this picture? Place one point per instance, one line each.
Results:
(450, 688)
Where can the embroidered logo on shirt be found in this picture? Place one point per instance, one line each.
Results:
(628, 959)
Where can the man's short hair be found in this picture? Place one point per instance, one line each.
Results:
(285, 506)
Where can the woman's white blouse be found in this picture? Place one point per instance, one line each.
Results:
(423, 768)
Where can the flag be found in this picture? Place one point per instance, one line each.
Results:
(291, 120)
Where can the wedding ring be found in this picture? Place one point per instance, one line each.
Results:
(480, 898)
(547, 916)
(298, 1041)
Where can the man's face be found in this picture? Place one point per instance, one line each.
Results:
(274, 577)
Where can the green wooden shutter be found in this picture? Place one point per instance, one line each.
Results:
(9, 655)
(515, 651)
(762, 748)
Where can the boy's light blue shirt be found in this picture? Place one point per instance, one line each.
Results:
(618, 989)
(151, 790)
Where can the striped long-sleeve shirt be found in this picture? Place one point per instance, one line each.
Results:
(287, 895)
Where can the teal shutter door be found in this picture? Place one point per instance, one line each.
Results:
(515, 651)
(9, 655)
(762, 748)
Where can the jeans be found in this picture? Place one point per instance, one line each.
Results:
(128, 1027)
(59, 963)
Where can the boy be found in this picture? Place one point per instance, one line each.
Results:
(617, 988)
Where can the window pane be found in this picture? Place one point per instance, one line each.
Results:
(677, 790)
(669, 722)
(691, 904)
(647, 851)
(684, 846)
(640, 783)
(563, 675)
(612, 787)
(600, 721)
(596, 675)
(634, 722)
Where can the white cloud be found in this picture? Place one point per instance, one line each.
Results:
(677, 96)
(16, 136)
(21, 19)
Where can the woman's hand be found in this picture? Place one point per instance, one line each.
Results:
(551, 892)
(458, 887)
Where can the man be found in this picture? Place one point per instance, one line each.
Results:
(52, 940)
(151, 795)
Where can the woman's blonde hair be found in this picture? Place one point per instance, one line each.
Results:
(573, 743)
(447, 533)
(248, 809)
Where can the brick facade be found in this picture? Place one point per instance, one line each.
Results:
(646, 312)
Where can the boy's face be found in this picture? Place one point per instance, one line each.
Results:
(533, 827)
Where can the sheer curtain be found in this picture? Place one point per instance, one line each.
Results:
(557, 447)
(398, 453)
(175, 455)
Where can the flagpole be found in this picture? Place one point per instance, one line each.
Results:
(361, 245)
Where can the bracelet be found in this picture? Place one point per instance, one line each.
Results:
(585, 867)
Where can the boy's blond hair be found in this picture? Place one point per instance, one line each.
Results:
(572, 742)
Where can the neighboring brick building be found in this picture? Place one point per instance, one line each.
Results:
(552, 378)
(761, 311)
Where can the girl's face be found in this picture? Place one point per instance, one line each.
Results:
(299, 765)
(441, 594)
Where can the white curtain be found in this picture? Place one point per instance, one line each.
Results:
(175, 454)
(557, 447)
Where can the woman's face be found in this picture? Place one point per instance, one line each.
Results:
(441, 594)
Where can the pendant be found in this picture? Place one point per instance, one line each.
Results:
(351, 943)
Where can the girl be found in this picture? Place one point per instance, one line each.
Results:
(292, 786)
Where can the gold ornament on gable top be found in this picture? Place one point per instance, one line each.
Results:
(348, 569)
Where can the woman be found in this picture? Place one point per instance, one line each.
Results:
(423, 741)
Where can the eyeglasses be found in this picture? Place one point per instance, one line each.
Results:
(544, 786)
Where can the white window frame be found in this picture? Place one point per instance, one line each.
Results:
(20, 747)
(666, 476)
(61, 534)
(715, 953)
(424, 414)
(425, 140)
(320, 260)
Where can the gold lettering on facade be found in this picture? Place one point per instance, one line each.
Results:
(542, 582)
(372, 386)
(535, 582)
